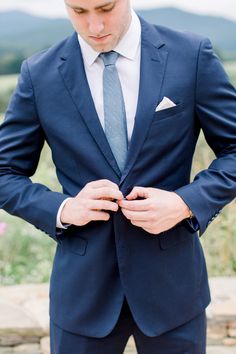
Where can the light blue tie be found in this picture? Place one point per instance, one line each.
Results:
(114, 109)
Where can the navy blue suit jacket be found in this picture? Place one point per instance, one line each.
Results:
(163, 277)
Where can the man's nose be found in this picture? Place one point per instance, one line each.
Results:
(95, 24)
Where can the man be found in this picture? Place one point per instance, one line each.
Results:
(122, 129)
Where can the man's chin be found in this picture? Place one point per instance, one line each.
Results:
(102, 47)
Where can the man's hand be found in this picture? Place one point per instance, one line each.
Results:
(158, 211)
(92, 203)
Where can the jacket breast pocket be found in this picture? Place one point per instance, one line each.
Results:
(168, 113)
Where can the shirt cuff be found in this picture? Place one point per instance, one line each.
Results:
(59, 224)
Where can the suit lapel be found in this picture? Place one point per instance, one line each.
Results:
(152, 69)
(72, 71)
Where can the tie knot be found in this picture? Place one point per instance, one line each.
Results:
(109, 58)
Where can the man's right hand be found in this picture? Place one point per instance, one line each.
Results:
(92, 203)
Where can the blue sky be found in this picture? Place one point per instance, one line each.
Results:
(55, 8)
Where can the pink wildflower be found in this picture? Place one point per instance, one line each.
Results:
(3, 227)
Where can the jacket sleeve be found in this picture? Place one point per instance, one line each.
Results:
(21, 142)
(215, 109)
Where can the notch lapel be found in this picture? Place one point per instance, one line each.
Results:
(152, 70)
(72, 71)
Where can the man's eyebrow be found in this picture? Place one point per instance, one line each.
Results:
(105, 4)
(96, 8)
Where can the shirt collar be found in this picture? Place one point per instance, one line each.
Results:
(126, 47)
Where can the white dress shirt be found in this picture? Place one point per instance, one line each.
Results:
(128, 67)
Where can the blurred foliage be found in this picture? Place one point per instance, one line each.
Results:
(26, 254)
(230, 68)
(7, 85)
(219, 240)
(10, 63)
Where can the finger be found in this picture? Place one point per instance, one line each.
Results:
(135, 205)
(106, 193)
(98, 215)
(138, 192)
(102, 183)
(144, 227)
(139, 223)
(151, 232)
(103, 205)
(135, 215)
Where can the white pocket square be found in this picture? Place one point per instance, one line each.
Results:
(164, 104)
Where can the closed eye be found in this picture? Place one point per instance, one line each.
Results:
(107, 9)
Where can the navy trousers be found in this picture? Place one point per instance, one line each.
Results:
(189, 338)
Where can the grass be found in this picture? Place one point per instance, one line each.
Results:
(230, 68)
(26, 254)
(7, 84)
(7, 81)
(219, 241)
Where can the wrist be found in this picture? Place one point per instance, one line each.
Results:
(191, 215)
(186, 212)
(59, 223)
(64, 215)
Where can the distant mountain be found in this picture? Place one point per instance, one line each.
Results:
(25, 34)
(28, 33)
(221, 31)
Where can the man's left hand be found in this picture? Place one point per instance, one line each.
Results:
(157, 211)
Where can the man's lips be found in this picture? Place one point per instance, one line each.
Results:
(99, 39)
